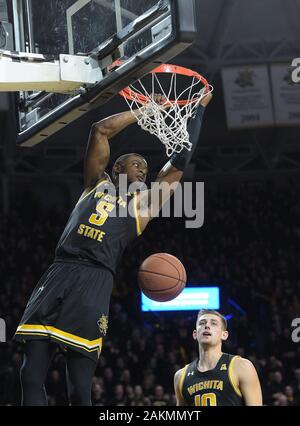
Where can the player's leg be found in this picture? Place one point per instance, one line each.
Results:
(37, 358)
(80, 372)
(84, 321)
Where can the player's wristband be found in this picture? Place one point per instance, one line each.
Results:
(182, 159)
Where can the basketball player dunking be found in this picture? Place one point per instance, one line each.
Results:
(70, 304)
(216, 378)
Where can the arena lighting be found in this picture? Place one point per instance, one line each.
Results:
(191, 299)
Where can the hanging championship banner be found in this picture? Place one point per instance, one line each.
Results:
(248, 98)
(286, 95)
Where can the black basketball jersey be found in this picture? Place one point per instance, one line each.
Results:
(213, 387)
(99, 228)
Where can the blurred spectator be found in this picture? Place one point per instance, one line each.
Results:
(125, 377)
(109, 381)
(274, 385)
(98, 397)
(289, 393)
(159, 398)
(139, 398)
(281, 400)
(119, 397)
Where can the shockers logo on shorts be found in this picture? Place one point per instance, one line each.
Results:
(103, 324)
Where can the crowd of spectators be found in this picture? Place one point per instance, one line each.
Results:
(248, 245)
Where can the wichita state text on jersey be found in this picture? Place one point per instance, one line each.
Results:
(213, 387)
(99, 228)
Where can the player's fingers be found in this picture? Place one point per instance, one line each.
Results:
(159, 98)
(206, 99)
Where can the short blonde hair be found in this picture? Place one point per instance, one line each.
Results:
(212, 312)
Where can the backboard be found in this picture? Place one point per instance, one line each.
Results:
(142, 33)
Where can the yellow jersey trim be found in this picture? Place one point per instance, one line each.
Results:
(230, 375)
(138, 225)
(89, 345)
(36, 334)
(66, 342)
(180, 385)
(95, 187)
(98, 348)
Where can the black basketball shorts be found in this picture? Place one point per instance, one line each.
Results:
(69, 306)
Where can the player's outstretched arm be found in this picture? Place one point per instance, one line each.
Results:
(179, 161)
(98, 151)
(177, 387)
(172, 172)
(248, 382)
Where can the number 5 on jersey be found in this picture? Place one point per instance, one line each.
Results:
(103, 208)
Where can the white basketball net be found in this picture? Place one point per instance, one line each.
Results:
(167, 121)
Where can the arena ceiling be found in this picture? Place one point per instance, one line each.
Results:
(246, 32)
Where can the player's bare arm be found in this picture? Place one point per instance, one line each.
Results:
(247, 379)
(180, 401)
(98, 150)
(167, 180)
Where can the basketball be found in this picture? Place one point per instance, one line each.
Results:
(161, 277)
